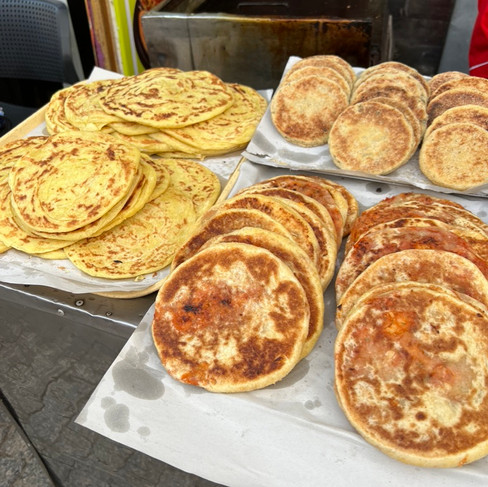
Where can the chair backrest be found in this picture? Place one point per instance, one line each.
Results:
(35, 41)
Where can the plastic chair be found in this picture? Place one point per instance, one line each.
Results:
(35, 53)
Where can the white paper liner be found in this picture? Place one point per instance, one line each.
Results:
(20, 268)
(268, 147)
(290, 434)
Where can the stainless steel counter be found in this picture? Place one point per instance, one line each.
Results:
(54, 349)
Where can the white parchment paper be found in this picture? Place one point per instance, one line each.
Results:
(290, 434)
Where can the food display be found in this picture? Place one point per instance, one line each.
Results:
(162, 111)
(113, 211)
(410, 354)
(244, 301)
(453, 152)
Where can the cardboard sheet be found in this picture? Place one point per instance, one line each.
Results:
(290, 434)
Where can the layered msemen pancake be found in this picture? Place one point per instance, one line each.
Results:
(141, 244)
(71, 180)
(168, 98)
(232, 318)
(374, 244)
(298, 261)
(418, 265)
(411, 374)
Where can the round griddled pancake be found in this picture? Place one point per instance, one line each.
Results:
(454, 156)
(465, 113)
(196, 181)
(304, 110)
(414, 205)
(411, 374)
(394, 67)
(55, 116)
(372, 138)
(141, 244)
(298, 261)
(230, 130)
(470, 82)
(298, 227)
(324, 71)
(453, 98)
(71, 180)
(232, 318)
(418, 265)
(82, 106)
(475, 237)
(226, 221)
(311, 188)
(168, 98)
(441, 78)
(338, 64)
(376, 243)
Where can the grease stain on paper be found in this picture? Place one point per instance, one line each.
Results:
(116, 416)
(133, 379)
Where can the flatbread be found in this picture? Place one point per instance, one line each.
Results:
(225, 222)
(441, 78)
(298, 261)
(410, 374)
(140, 245)
(454, 156)
(418, 265)
(209, 332)
(371, 138)
(303, 110)
(232, 129)
(71, 180)
(376, 243)
(168, 98)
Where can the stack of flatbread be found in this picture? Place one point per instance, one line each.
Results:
(244, 300)
(166, 111)
(312, 93)
(384, 124)
(412, 346)
(453, 153)
(110, 209)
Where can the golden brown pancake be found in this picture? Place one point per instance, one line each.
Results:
(385, 78)
(225, 222)
(414, 205)
(441, 78)
(418, 265)
(376, 243)
(55, 116)
(465, 113)
(141, 244)
(298, 261)
(82, 106)
(311, 188)
(298, 227)
(372, 138)
(394, 67)
(454, 156)
(232, 318)
(324, 71)
(470, 82)
(71, 180)
(338, 64)
(411, 374)
(303, 110)
(167, 97)
(453, 98)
